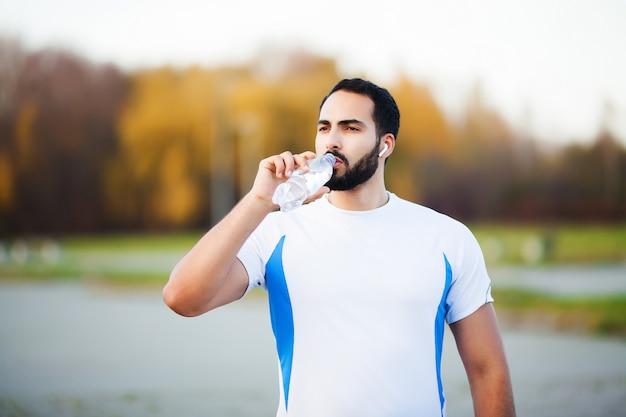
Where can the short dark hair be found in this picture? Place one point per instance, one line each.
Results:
(386, 113)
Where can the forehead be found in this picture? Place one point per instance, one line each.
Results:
(345, 105)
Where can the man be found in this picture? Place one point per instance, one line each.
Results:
(360, 282)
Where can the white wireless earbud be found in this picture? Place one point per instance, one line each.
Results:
(383, 151)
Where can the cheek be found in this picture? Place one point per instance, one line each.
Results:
(320, 147)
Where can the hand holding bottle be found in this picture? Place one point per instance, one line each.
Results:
(292, 193)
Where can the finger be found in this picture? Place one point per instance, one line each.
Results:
(276, 164)
(319, 193)
(288, 163)
(301, 159)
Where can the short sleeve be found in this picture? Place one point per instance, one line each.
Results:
(251, 258)
(470, 285)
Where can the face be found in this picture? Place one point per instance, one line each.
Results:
(347, 130)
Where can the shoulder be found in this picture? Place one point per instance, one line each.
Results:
(430, 218)
(450, 235)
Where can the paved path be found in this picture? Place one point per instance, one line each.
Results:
(71, 350)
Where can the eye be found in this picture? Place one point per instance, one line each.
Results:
(322, 128)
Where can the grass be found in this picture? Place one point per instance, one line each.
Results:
(562, 244)
(126, 259)
(146, 260)
(599, 315)
(557, 245)
(143, 242)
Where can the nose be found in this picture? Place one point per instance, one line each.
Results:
(333, 140)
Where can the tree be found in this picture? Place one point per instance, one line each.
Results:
(60, 132)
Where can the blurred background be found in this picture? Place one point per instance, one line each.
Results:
(129, 129)
(152, 117)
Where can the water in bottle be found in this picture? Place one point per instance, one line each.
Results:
(292, 193)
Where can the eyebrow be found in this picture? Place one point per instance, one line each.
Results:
(342, 122)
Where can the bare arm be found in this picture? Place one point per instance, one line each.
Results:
(480, 347)
(210, 275)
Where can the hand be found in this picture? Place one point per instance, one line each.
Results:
(276, 169)
(319, 193)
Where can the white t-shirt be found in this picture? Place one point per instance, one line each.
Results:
(358, 302)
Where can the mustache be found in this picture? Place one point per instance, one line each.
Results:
(339, 155)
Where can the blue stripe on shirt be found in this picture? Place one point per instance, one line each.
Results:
(442, 311)
(281, 313)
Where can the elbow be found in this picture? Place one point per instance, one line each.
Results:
(174, 302)
(176, 299)
(191, 293)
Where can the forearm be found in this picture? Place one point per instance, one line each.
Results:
(199, 282)
(482, 352)
(492, 394)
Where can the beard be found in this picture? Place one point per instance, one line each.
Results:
(355, 175)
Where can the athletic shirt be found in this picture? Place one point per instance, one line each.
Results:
(358, 303)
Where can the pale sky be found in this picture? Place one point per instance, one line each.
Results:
(548, 65)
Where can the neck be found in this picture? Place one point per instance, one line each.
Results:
(367, 196)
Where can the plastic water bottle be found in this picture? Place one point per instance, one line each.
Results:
(292, 193)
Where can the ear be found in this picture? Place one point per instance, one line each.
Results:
(388, 143)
